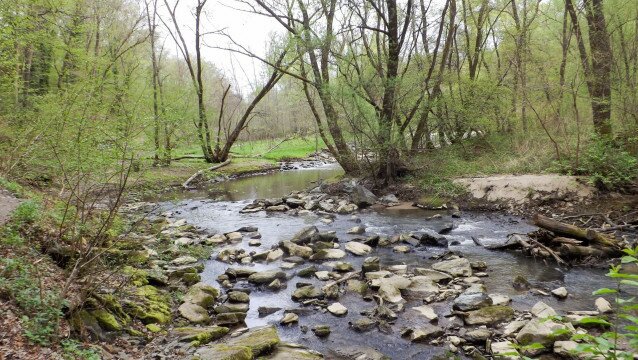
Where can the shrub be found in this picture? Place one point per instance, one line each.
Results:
(608, 166)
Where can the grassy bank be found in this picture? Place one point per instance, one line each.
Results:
(246, 157)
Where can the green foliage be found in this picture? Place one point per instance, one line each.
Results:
(13, 187)
(607, 165)
(624, 327)
(20, 282)
(73, 350)
(27, 212)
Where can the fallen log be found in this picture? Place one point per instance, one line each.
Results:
(576, 251)
(563, 240)
(573, 231)
(345, 277)
(200, 172)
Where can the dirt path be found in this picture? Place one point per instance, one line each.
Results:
(8, 203)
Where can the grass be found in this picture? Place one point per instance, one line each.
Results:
(247, 157)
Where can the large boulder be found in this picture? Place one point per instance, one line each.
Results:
(356, 352)
(504, 350)
(261, 340)
(544, 332)
(307, 292)
(194, 313)
(328, 254)
(294, 352)
(426, 333)
(455, 267)
(362, 197)
(201, 294)
(200, 335)
(266, 277)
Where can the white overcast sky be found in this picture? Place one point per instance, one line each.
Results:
(250, 30)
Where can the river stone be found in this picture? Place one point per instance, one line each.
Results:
(455, 267)
(401, 249)
(357, 286)
(603, 306)
(238, 297)
(370, 264)
(479, 335)
(565, 348)
(356, 352)
(390, 293)
(489, 315)
(337, 309)
(328, 254)
(475, 289)
(542, 310)
(467, 302)
(363, 324)
(294, 202)
(239, 272)
(234, 236)
(260, 340)
(254, 242)
(194, 313)
(230, 308)
(377, 274)
(544, 332)
(321, 330)
(294, 352)
(224, 352)
(266, 277)
(430, 237)
(275, 285)
(274, 255)
(289, 318)
(247, 229)
(342, 267)
(356, 230)
(500, 299)
(183, 260)
(425, 333)
(362, 197)
(307, 272)
(513, 327)
(277, 208)
(504, 350)
(436, 276)
(296, 250)
(357, 248)
(230, 318)
(400, 269)
(197, 294)
(560, 292)
(421, 287)
(266, 310)
(304, 235)
(427, 312)
(323, 275)
(520, 283)
(201, 335)
(306, 292)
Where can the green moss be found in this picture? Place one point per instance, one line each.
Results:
(154, 328)
(224, 352)
(134, 332)
(138, 277)
(150, 306)
(106, 320)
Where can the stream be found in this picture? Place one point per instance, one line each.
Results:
(216, 210)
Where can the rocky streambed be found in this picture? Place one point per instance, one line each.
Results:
(344, 275)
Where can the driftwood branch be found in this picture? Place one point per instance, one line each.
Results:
(572, 231)
(345, 277)
(201, 172)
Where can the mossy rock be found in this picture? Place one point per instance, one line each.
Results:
(191, 278)
(224, 352)
(83, 323)
(489, 315)
(138, 277)
(112, 304)
(106, 320)
(149, 305)
(134, 332)
(261, 340)
(199, 336)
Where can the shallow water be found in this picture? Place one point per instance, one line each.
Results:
(222, 215)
